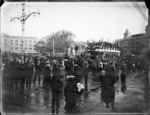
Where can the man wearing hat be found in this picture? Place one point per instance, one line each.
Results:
(56, 86)
(47, 78)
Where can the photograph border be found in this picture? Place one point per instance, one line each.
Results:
(1, 97)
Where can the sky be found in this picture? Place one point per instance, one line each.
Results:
(87, 20)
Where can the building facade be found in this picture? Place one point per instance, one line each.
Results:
(81, 48)
(134, 44)
(13, 44)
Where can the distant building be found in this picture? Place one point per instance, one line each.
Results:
(13, 44)
(134, 44)
(81, 48)
(71, 50)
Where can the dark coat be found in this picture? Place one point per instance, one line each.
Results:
(70, 92)
(109, 79)
(56, 80)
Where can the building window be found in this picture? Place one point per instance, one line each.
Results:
(16, 48)
(5, 40)
(11, 40)
(30, 41)
(16, 40)
(5, 44)
(16, 44)
(30, 48)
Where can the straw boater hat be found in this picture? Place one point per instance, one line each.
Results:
(70, 76)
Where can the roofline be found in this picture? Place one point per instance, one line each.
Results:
(138, 34)
(11, 36)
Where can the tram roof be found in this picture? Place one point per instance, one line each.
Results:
(105, 50)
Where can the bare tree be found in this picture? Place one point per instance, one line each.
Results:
(62, 40)
(40, 46)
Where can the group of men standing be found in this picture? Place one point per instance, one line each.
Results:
(67, 76)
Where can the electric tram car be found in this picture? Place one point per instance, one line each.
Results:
(103, 55)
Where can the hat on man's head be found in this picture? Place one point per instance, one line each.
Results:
(47, 64)
(70, 76)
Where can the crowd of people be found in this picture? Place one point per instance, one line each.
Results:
(68, 75)
(102, 45)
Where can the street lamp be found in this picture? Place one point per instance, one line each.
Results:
(23, 19)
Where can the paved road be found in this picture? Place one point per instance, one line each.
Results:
(133, 101)
(38, 99)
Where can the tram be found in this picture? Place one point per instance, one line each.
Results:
(104, 54)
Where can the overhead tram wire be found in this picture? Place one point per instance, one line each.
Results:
(138, 9)
(138, 6)
(133, 3)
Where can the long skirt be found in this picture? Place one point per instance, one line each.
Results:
(108, 95)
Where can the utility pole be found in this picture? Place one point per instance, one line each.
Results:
(53, 47)
(23, 19)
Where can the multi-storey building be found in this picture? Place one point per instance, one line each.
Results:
(13, 44)
(134, 44)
